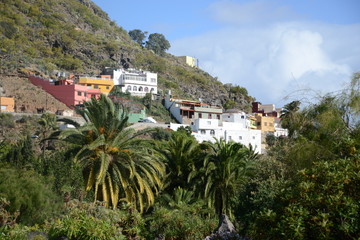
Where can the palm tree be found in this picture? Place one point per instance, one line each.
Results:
(179, 154)
(226, 168)
(288, 116)
(116, 164)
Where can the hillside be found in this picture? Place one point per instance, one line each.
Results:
(78, 37)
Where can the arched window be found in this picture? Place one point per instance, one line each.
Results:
(203, 132)
(140, 89)
(128, 88)
(146, 89)
(134, 88)
(212, 132)
(152, 89)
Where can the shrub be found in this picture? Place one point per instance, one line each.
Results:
(190, 222)
(28, 193)
(85, 221)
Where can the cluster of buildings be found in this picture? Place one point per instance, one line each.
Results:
(210, 122)
(75, 90)
(207, 122)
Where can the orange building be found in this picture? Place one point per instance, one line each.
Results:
(7, 104)
(104, 83)
(265, 124)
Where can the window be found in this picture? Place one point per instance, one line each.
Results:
(208, 122)
(229, 138)
(153, 80)
(218, 116)
(210, 116)
(152, 89)
(79, 93)
(128, 88)
(134, 88)
(212, 132)
(107, 87)
(140, 89)
(89, 85)
(96, 86)
(203, 132)
(242, 117)
(229, 116)
(258, 123)
(240, 137)
(253, 137)
(200, 115)
(265, 123)
(270, 124)
(146, 89)
(93, 95)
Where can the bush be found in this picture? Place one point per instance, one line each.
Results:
(28, 193)
(85, 221)
(190, 222)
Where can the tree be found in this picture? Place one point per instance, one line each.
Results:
(116, 164)
(288, 115)
(226, 168)
(158, 43)
(138, 36)
(179, 154)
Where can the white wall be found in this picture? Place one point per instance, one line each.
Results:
(174, 108)
(202, 123)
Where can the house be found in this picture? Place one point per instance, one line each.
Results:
(192, 62)
(66, 91)
(104, 83)
(136, 82)
(234, 126)
(266, 109)
(7, 104)
(186, 111)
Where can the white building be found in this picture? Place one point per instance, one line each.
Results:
(136, 82)
(235, 126)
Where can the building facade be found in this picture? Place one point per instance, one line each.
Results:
(66, 91)
(7, 104)
(192, 62)
(136, 82)
(104, 83)
(186, 111)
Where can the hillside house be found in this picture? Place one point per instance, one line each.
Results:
(7, 104)
(186, 111)
(192, 62)
(66, 91)
(104, 83)
(136, 82)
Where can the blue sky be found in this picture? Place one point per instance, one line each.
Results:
(279, 50)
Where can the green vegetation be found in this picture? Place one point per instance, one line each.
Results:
(160, 183)
(157, 43)
(105, 181)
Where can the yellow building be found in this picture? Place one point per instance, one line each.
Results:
(104, 83)
(265, 124)
(7, 104)
(192, 62)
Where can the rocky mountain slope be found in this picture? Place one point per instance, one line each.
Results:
(78, 37)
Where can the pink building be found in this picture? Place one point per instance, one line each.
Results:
(66, 91)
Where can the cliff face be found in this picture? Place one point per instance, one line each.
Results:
(78, 37)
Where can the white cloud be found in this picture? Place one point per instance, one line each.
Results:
(276, 59)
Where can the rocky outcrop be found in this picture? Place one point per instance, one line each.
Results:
(225, 231)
